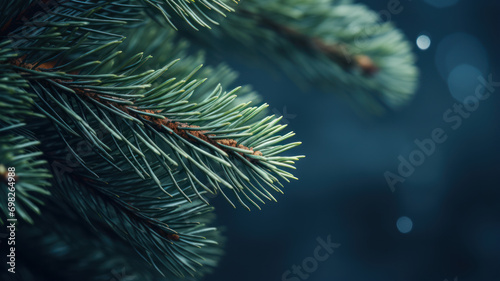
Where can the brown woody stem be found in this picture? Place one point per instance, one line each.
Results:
(337, 53)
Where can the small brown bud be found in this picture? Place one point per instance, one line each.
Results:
(366, 64)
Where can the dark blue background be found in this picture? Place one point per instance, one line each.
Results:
(453, 198)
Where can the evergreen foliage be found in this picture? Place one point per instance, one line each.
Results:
(117, 134)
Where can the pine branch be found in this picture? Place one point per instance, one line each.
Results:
(337, 52)
(163, 121)
(335, 45)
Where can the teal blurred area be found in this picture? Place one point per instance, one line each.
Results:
(413, 195)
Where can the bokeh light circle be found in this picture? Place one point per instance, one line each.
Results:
(457, 49)
(463, 81)
(404, 224)
(423, 42)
